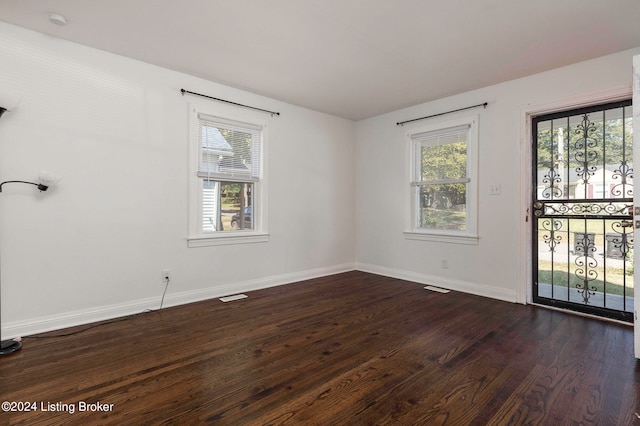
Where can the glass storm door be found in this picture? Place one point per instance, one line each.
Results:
(582, 204)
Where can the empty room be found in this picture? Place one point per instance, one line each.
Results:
(307, 212)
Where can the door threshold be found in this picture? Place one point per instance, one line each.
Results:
(582, 314)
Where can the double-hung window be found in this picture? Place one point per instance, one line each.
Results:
(443, 181)
(226, 193)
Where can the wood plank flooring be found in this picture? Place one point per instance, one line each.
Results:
(349, 349)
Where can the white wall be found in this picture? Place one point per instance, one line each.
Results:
(116, 130)
(493, 267)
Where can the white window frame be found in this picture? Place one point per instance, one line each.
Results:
(197, 237)
(470, 234)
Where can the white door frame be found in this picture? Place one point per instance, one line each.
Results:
(636, 199)
(524, 286)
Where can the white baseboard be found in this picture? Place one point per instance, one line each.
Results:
(252, 285)
(70, 319)
(447, 283)
(101, 313)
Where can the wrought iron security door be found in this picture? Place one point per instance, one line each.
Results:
(582, 206)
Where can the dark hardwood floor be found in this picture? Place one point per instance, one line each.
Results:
(350, 349)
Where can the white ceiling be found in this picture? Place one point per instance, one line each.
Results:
(351, 58)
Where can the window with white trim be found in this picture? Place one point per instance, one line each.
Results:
(226, 178)
(443, 181)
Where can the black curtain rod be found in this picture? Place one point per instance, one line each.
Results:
(229, 102)
(442, 113)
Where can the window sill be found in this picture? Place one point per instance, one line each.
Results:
(222, 240)
(442, 238)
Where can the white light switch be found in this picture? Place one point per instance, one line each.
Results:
(494, 189)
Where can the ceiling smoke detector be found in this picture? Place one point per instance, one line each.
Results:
(60, 20)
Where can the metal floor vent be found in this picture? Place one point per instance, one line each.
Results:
(234, 297)
(439, 290)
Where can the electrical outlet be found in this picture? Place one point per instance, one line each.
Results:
(444, 264)
(166, 275)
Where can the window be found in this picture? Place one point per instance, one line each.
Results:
(226, 180)
(443, 181)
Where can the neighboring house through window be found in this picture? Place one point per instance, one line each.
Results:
(443, 181)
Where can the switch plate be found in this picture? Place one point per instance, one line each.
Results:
(494, 189)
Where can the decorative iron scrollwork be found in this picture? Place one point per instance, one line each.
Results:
(552, 239)
(625, 187)
(584, 152)
(584, 209)
(587, 264)
(552, 179)
(621, 240)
